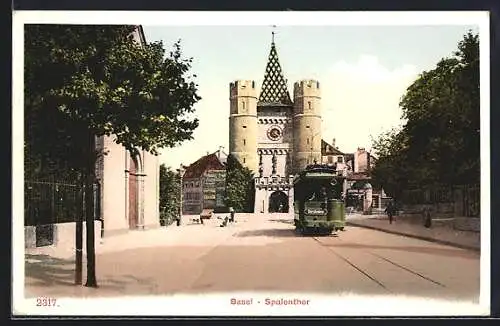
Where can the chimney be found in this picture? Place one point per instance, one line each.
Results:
(333, 143)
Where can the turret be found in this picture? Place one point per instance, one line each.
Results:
(306, 124)
(243, 123)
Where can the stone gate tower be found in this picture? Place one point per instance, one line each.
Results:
(243, 123)
(306, 124)
(274, 136)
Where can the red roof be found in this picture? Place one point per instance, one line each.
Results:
(207, 162)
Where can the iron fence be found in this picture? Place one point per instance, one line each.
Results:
(465, 199)
(50, 202)
(470, 200)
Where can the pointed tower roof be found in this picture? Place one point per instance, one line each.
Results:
(274, 90)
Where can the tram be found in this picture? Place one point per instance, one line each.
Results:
(318, 205)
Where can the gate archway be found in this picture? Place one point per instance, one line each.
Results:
(278, 202)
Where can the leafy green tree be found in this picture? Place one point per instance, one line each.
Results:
(84, 81)
(170, 182)
(240, 190)
(439, 144)
(389, 172)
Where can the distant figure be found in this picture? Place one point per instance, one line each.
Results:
(231, 212)
(427, 218)
(390, 210)
(224, 222)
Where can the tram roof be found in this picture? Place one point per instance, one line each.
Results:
(318, 171)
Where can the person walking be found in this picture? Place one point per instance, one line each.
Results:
(231, 212)
(390, 210)
(427, 217)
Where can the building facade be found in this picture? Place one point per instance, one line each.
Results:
(203, 183)
(276, 136)
(273, 135)
(129, 182)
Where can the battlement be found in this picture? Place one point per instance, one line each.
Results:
(243, 88)
(306, 87)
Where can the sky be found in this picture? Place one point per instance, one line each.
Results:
(363, 70)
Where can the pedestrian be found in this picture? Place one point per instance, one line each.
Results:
(427, 217)
(390, 210)
(231, 212)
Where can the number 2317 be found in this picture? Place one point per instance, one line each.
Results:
(45, 302)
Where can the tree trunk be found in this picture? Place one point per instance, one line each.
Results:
(89, 213)
(79, 239)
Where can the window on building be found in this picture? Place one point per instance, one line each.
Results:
(243, 105)
(308, 141)
(244, 127)
(330, 159)
(244, 160)
(309, 105)
(244, 141)
(340, 159)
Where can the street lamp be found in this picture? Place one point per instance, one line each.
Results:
(312, 141)
(181, 172)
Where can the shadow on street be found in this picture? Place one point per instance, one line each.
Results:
(280, 233)
(274, 233)
(282, 220)
(49, 271)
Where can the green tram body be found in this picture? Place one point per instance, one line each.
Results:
(318, 204)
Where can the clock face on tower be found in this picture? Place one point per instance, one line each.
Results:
(274, 133)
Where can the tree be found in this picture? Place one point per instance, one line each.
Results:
(86, 81)
(240, 191)
(439, 144)
(169, 194)
(391, 168)
(442, 109)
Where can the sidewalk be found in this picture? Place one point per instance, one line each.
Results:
(444, 234)
(209, 233)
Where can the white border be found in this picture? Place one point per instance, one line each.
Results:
(219, 304)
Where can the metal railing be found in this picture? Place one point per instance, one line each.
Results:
(51, 202)
(465, 199)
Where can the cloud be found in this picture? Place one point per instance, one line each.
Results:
(361, 98)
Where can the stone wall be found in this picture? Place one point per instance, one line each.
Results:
(467, 224)
(440, 216)
(64, 235)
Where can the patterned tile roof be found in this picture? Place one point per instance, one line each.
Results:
(274, 90)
